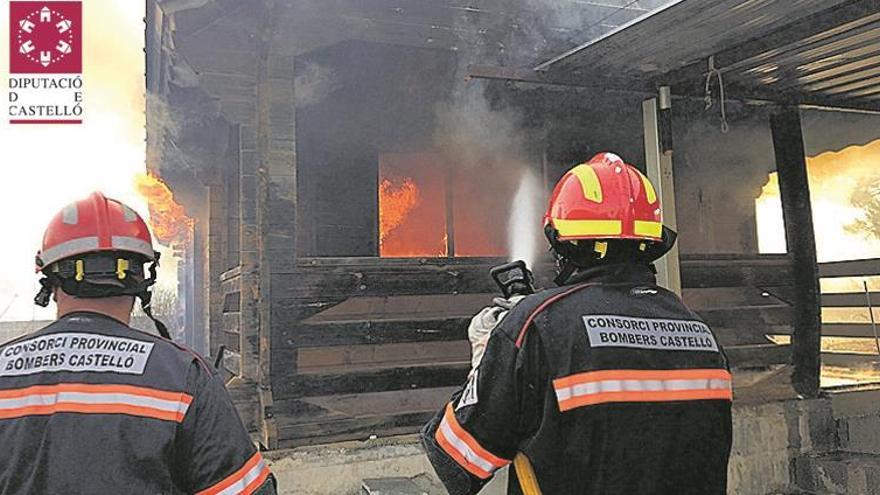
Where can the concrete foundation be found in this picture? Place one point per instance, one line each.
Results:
(829, 445)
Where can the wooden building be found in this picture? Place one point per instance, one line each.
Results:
(306, 128)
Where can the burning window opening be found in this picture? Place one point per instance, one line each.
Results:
(427, 208)
(168, 219)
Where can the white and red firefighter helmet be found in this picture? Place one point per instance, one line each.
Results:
(97, 247)
(91, 225)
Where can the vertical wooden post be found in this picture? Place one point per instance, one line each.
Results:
(794, 189)
(217, 259)
(450, 212)
(659, 168)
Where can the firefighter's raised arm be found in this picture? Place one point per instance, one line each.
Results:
(479, 430)
(214, 453)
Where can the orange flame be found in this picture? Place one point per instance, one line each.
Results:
(396, 202)
(168, 219)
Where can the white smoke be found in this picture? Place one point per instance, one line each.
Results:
(314, 82)
(524, 224)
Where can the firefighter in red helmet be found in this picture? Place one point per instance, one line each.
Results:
(90, 405)
(607, 384)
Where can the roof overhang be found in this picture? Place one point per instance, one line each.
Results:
(811, 52)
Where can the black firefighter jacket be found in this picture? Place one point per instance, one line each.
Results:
(91, 406)
(607, 386)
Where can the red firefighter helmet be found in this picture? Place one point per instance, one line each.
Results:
(94, 224)
(604, 198)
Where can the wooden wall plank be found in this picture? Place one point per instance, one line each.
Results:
(401, 378)
(350, 358)
(850, 300)
(380, 332)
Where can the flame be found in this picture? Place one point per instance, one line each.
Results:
(412, 205)
(168, 220)
(396, 202)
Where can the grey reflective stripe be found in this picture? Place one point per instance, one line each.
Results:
(128, 214)
(70, 215)
(69, 248)
(133, 244)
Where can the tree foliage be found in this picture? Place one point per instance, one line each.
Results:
(164, 303)
(866, 196)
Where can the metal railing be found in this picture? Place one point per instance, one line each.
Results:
(851, 357)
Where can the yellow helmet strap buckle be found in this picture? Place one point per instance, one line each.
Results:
(122, 266)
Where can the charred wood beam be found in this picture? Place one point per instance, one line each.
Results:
(231, 323)
(850, 360)
(730, 297)
(308, 284)
(854, 268)
(232, 342)
(348, 428)
(531, 76)
(794, 188)
(380, 332)
(355, 358)
(367, 380)
(771, 272)
(757, 318)
(854, 330)
(852, 300)
(231, 361)
(333, 281)
(758, 356)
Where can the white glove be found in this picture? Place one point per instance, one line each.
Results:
(484, 322)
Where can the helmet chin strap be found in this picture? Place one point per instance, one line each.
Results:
(146, 298)
(141, 290)
(564, 270)
(45, 295)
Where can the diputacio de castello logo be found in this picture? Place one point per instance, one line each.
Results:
(45, 62)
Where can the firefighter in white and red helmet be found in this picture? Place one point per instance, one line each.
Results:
(91, 405)
(607, 384)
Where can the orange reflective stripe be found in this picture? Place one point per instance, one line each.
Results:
(471, 441)
(145, 412)
(593, 376)
(42, 400)
(255, 485)
(89, 388)
(246, 480)
(464, 448)
(609, 397)
(459, 458)
(600, 387)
